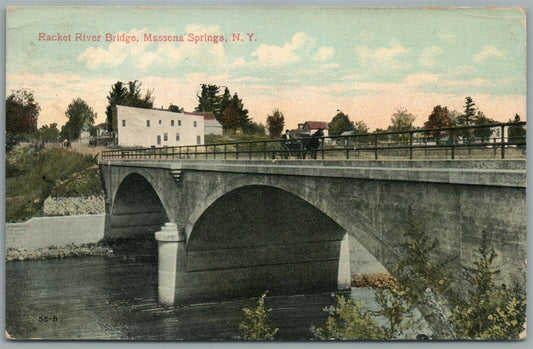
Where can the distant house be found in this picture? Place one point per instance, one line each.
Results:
(211, 125)
(310, 127)
(137, 127)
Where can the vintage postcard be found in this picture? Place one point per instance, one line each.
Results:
(256, 173)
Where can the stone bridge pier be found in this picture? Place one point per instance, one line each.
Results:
(239, 228)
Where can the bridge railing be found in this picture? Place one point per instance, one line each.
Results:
(498, 140)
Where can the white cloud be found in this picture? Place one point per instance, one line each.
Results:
(488, 52)
(427, 58)
(273, 55)
(381, 59)
(418, 79)
(324, 53)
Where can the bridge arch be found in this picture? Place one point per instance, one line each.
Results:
(137, 211)
(257, 237)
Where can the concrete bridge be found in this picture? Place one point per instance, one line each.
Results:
(236, 228)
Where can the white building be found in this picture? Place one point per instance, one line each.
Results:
(138, 127)
(211, 125)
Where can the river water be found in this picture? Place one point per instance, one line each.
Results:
(116, 298)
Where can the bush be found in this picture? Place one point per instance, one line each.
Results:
(256, 324)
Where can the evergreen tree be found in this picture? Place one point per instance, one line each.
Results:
(128, 96)
(489, 311)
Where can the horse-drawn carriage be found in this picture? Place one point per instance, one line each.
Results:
(300, 147)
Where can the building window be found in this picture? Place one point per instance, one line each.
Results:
(147, 123)
(159, 122)
(123, 123)
(158, 139)
(165, 137)
(171, 122)
(179, 122)
(177, 136)
(194, 123)
(198, 139)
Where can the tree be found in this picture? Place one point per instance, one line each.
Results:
(482, 133)
(361, 128)
(22, 112)
(439, 118)
(209, 100)
(48, 133)
(128, 96)
(175, 109)
(489, 311)
(243, 113)
(466, 118)
(339, 124)
(256, 324)
(275, 123)
(80, 117)
(517, 133)
(402, 121)
(230, 117)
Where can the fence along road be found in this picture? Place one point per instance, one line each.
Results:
(497, 140)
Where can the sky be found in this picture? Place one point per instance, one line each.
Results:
(307, 62)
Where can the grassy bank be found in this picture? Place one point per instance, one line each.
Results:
(34, 174)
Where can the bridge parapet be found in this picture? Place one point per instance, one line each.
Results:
(508, 173)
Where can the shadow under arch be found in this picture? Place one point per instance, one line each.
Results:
(257, 238)
(137, 211)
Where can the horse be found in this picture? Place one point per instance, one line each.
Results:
(312, 143)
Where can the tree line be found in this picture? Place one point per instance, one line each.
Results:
(22, 111)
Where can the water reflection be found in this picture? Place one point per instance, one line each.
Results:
(116, 298)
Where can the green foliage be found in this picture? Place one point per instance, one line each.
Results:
(347, 320)
(517, 133)
(340, 123)
(49, 133)
(175, 109)
(439, 118)
(22, 112)
(275, 123)
(129, 96)
(417, 270)
(256, 324)
(396, 308)
(31, 176)
(482, 133)
(489, 311)
(402, 121)
(80, 117)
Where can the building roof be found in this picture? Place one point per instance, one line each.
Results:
(315, 125)
(206, 116)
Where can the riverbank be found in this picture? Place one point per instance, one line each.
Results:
(70, 250)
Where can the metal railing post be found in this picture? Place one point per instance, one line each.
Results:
(410, 145)
(375, 147)
(225, 151)
(503, 141)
